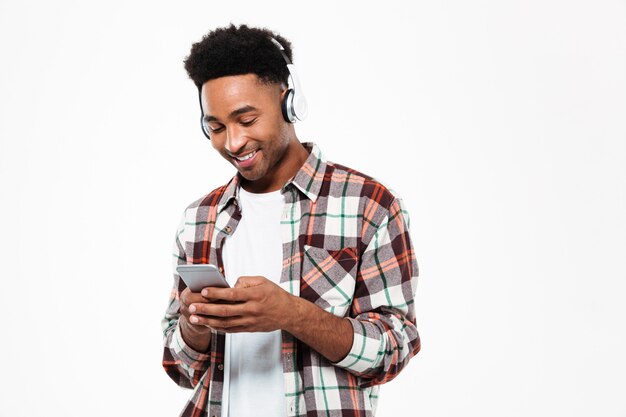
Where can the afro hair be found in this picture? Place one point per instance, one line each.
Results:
(238, 50)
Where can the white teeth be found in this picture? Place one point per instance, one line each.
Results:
(245, 158)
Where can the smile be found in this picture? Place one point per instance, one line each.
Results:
(246, 161)
(246, 157)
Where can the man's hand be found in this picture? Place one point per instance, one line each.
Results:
(259, 305)
(196, 335)
(256, 305)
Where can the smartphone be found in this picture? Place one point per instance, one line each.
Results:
(198, 276)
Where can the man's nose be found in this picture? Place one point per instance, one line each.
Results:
(235, 139)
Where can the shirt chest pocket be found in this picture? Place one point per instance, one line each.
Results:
(329, 278)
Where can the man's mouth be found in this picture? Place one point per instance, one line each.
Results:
(247, 160)
(245, 157)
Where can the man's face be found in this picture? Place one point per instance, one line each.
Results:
(246, 124)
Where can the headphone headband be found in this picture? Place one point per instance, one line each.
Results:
(282, 50)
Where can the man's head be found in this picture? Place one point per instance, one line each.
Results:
(238, 50)
(242, 79)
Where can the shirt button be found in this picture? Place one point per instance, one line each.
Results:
(228, 229)
(220, 367)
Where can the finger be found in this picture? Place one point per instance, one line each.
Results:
(249, 281)
(234, 329)
(217, 323)
(194, 326)
(184, 310)
(225, 294)
(190, 298)
(218, 309)
(184, 295)
(205, 294)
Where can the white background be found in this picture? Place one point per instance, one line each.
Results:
(501, 123)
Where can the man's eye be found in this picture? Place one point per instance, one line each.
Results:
(248, 122)
(215, 129)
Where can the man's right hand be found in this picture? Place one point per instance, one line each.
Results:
(198, 337)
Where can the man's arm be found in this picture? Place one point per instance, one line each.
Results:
(185, 346)
(380, 336)
(383, 316)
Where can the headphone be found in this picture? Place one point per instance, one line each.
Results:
(294, 106)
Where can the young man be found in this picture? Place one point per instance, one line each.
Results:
(318, 256)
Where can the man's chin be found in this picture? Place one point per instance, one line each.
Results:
(250, 176)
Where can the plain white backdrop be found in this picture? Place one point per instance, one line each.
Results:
(501, 123)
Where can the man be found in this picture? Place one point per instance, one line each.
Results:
(321, 267)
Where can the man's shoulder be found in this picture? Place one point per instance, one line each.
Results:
(351, 194)
(347, 181)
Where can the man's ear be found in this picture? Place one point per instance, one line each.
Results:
(283, 90)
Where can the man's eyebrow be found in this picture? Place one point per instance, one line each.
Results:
(245, 109)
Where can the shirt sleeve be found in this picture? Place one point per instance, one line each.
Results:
(383, 311)
(182, 363)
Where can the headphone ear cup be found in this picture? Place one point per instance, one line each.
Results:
(287, 107)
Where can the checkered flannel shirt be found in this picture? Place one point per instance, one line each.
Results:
(346, 248)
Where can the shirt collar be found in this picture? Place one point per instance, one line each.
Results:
(308, 179)
(310, 176)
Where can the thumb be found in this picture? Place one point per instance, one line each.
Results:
(245, 282)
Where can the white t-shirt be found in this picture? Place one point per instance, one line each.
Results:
(253, 371)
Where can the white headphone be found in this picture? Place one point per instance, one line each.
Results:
(293, 106)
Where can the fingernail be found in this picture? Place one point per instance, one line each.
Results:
(192, 308)
(193, 319)
(204, 292)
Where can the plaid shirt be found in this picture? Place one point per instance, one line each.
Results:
(346, 248)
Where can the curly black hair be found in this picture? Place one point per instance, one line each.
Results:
(238, 50)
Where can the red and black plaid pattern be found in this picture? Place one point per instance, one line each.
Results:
(346, 248)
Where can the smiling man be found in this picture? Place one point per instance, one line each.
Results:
(322, 271)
